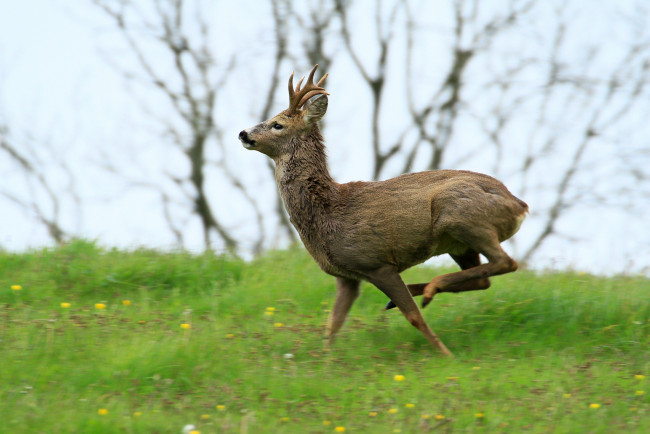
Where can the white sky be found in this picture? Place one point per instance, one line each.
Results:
(58, 85)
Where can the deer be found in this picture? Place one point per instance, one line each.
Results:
(373, 231)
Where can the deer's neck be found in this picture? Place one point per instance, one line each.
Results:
(307, 189)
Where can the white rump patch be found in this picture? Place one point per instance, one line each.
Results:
(520, 220)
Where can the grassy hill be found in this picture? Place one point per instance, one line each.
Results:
(96, 340)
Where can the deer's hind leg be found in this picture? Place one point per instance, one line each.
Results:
(347, 291)
(498, 263)
(391, 284)
(467, 260)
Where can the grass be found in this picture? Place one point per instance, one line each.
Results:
(560, 352)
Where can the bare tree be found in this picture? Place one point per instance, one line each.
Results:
(41, 199)
(436, 120)
(568, 108)
(565, 109)
(579, 108)
(190, 79)
(384, 27)
(315, 29)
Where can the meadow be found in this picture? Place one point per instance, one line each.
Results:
(97, 340)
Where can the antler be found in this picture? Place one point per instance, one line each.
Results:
(298, 97)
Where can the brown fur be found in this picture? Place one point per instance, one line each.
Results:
(375, 230)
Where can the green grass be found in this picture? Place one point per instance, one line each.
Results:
(532, 353)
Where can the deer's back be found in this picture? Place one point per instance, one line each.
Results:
(407, 219)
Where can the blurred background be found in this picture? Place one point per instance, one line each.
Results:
(119, 119)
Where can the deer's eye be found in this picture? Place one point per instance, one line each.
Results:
(277, 126)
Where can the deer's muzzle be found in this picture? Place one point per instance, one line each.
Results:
(248, 143)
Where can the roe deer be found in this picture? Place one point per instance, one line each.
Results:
(375, 230)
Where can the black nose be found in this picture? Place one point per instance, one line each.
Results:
(243, 136)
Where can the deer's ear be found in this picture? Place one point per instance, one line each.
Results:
(316, 109)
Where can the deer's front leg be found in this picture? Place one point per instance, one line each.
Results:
(466, 261)
(347, 290)
(391, 284)
(414, 288)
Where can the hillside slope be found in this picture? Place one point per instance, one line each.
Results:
(96, 340)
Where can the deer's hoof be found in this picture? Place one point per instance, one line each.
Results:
(390, 305)
(429, 292)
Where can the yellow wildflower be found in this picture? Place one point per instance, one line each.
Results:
(476, 368)
(372, 414)
(100, 306)
(399, 377)
(278, 324)
(409, 405)
(453, 378)
(16, 287)
(195, 431)
(392, 410)
(221, 407)
(439, 417)
(339, 429)
(205, 416)
(285, 419)
(270, 309)
(327, 422)
(594, 405)
(639, 392)
(137, 414)
(567, 395)
(269, 313)
(65, 305)
(230, 335)
(186, 326)
(426, 416)
(639, 376)
(126, 302)
(102, 412)
(479, 415)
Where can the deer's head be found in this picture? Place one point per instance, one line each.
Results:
(274, 137)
